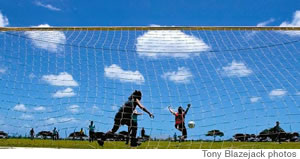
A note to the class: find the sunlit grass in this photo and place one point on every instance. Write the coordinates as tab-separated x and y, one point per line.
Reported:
75	144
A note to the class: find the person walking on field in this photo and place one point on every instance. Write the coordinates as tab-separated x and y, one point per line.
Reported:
278	131
81	134
54	134
31	134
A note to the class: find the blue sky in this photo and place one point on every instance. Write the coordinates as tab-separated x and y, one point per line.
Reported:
135	12
246	89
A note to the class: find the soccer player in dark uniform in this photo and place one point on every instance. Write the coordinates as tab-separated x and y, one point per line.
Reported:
124	117
179	120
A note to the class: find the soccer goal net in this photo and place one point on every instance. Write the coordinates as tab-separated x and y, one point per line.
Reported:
239	82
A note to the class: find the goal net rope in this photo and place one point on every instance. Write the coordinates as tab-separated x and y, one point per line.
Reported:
238	80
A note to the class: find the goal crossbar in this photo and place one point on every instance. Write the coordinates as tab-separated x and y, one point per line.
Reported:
141	28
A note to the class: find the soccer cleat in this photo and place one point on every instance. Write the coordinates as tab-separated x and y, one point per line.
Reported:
134	142
100	142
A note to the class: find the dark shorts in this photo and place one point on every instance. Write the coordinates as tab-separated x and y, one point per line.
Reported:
123	118
180	126
91	133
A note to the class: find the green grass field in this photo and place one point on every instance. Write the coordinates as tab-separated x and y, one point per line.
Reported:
4	143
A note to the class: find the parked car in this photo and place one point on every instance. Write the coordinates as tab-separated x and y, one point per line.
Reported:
268	134
78	136
241	137
45	134
3	135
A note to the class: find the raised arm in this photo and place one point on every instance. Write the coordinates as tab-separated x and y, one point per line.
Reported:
144	108
172	111
187	109
135	113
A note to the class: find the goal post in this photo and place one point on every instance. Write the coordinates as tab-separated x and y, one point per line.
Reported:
141	28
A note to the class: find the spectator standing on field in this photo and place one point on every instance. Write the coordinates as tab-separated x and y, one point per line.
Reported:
91	132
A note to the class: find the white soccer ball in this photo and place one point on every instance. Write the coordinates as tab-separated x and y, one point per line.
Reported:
191	124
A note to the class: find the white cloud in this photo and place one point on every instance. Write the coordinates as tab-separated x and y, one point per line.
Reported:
39	108
73	108
277	93
169	43
48	6
2	70
3	20
63	79
255	99
114	107
60	120
64	120
236	69
182	75
20	107
51	121
26	116
295	23
265	23
251	34
32	75
47	40
68	92
116	72
94	108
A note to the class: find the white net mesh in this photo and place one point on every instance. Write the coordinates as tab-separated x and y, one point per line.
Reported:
237	81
